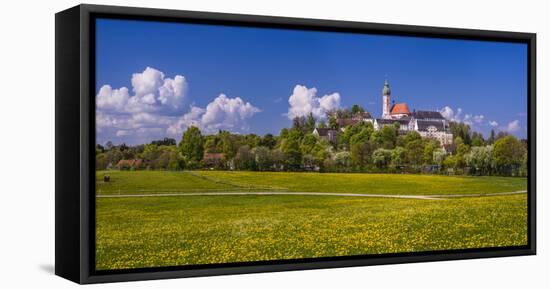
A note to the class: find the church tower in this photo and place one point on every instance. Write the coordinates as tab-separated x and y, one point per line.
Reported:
386	92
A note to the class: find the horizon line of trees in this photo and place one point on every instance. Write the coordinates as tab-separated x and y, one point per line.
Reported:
359	148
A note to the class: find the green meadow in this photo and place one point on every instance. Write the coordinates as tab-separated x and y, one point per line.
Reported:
153	231
151	182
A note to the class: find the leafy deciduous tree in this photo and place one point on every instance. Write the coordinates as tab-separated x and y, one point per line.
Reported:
382	157
191	147
508	154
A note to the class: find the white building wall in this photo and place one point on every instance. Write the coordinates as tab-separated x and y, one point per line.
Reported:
386	106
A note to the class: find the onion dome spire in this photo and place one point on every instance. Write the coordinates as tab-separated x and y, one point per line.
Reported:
386	90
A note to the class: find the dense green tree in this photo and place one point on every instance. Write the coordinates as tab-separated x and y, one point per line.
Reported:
450	162
492	137
99	149
361	147
397	156
342	160
414	152
429	147
268	141
508	154
211	144
191	147
340	113
262	157
310	123
525	160
460	153
439	156
278	159
365	129
400	142
333	122
290	146
361	153
388	136
308	143
382	157
376	138
150	152
165	157
477	139
283	134
411	136
164	142
252	140
173	162
300	124
101	161
245	159
112	157
321	151
462	130
228	144
127	151
480	159
501	134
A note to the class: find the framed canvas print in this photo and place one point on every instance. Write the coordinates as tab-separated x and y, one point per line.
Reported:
193	144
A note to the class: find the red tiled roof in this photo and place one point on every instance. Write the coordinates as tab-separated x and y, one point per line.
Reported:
400	108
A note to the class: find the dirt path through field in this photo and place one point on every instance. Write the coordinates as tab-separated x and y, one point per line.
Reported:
425	197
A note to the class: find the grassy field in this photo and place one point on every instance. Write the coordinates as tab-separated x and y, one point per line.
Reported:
136	232
150	182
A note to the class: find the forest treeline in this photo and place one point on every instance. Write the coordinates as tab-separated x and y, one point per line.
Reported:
358	148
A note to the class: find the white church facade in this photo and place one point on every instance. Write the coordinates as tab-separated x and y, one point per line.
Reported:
429	124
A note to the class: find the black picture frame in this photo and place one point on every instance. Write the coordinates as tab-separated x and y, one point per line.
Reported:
75	140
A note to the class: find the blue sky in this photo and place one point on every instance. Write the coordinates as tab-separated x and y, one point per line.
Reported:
241	79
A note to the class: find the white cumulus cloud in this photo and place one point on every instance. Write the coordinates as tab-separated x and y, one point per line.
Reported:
143	112
191	118
155	107
109	98
103	120
123	132
152	92
479	122
513	126
225	112
304	101
147	82
172	91
448	113
456	116
222	113
473	119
